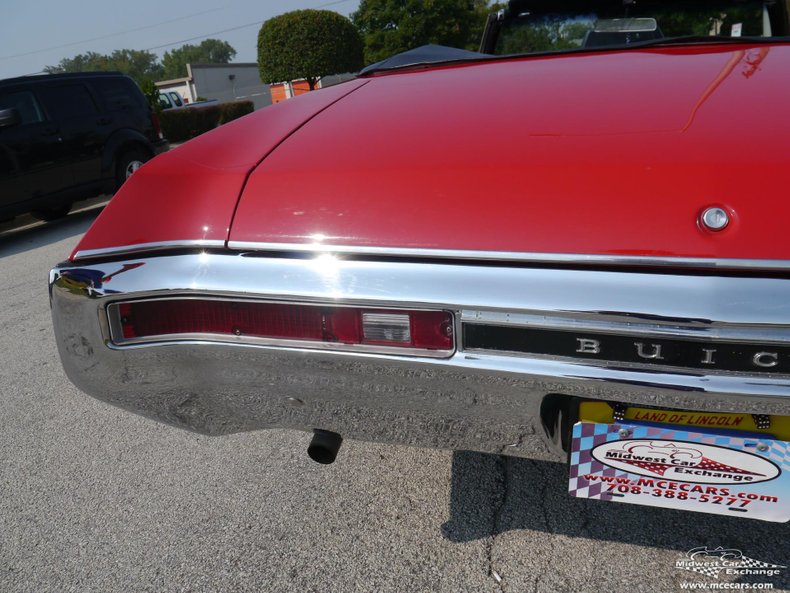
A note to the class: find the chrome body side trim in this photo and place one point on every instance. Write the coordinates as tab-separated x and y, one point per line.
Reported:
473	400
575	259
149	247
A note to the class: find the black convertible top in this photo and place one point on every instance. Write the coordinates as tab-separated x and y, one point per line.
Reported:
426	54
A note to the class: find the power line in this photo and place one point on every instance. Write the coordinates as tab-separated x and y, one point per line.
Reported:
330	4
252	24
258	22
203	36
72	44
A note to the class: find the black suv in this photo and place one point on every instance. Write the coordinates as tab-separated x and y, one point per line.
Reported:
65	137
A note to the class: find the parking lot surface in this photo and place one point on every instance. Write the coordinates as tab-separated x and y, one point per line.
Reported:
94	499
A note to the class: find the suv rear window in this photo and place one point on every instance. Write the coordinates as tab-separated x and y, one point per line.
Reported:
67	101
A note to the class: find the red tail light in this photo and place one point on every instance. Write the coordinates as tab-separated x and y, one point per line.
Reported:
157	126
173	319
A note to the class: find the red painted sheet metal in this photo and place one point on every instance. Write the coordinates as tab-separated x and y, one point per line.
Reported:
190	193
605	153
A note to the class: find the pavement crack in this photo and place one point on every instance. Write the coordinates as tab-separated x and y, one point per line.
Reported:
499	504
550	553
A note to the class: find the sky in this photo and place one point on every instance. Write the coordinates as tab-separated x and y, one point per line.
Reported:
38	33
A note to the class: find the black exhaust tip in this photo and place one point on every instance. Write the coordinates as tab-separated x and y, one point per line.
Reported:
324	446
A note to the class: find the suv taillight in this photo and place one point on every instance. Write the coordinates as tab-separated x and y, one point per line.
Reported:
157	126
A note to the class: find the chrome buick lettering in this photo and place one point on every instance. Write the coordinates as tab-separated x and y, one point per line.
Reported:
759	359
588	346
656	354
689	353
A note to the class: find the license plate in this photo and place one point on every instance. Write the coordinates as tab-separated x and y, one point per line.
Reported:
675	468
778	428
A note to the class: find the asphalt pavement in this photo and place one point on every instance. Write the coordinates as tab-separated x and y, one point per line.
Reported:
95	499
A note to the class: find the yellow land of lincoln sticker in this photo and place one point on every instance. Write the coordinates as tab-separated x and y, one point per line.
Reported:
602	412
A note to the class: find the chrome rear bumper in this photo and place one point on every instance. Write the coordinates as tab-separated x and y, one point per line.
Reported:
480	400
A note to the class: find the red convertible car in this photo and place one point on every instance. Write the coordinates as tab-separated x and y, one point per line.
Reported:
572	245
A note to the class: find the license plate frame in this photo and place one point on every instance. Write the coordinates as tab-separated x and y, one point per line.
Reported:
673	467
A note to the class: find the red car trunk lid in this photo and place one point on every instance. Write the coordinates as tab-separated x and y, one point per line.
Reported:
603	153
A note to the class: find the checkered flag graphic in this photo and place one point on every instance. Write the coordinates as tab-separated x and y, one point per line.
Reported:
718	466
747	562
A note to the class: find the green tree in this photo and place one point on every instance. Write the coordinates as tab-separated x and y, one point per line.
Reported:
139	64
307	44
151	94
389	27
210	51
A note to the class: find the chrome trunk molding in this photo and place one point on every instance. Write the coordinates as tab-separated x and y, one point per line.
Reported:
149	247
566	259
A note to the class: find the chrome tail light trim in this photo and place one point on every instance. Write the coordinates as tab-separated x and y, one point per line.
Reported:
115	338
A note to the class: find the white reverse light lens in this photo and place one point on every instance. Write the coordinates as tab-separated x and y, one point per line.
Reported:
386	327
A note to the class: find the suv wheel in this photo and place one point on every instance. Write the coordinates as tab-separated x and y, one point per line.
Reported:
128	163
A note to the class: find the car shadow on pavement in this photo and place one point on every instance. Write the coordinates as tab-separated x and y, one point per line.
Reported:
491	495
25	233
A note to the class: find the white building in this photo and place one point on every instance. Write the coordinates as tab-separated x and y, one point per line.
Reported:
224	82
